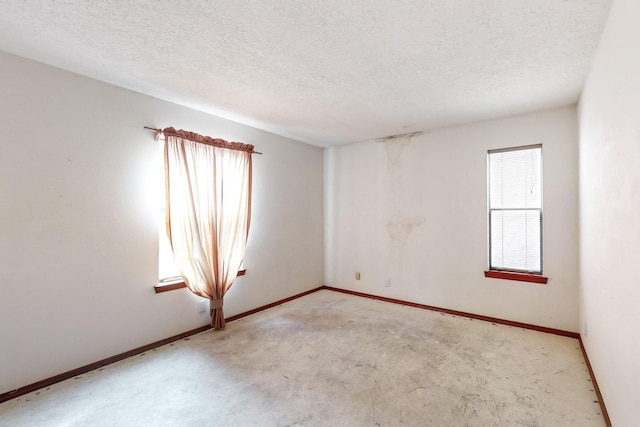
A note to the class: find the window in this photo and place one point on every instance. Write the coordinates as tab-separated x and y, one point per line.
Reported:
167	269
515	210
169	276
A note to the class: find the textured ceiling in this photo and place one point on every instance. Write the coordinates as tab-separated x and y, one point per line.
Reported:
325	72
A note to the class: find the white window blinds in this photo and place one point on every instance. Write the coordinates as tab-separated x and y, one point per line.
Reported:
515	209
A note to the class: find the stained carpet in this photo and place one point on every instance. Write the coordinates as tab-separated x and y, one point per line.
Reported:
331	359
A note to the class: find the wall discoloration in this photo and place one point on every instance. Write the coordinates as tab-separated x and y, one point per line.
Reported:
400	225
394	150
399	229
444	181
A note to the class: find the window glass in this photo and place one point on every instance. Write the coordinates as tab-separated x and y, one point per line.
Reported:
515	209
167	268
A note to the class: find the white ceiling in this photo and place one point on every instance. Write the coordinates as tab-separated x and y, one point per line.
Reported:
325	72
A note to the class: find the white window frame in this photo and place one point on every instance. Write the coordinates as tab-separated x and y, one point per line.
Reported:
506	268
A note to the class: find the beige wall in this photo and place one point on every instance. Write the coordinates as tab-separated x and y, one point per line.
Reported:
78	244
610	214
416	214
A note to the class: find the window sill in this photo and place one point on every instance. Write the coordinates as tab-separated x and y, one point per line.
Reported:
179	284
520	277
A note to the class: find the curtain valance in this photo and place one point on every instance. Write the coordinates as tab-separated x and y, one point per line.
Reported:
215	142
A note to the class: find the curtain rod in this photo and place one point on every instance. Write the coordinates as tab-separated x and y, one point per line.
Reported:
160	130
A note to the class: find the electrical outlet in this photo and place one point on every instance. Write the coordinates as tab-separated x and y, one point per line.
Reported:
357	276
387	283
202	306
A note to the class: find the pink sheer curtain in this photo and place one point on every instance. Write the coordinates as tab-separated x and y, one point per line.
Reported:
208	211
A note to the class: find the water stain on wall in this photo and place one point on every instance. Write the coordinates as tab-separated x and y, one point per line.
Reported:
400	225
399	229
394	147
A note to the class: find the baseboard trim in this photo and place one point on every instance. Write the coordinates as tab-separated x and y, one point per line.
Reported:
95	365
603	408
460	313
118	357
273	304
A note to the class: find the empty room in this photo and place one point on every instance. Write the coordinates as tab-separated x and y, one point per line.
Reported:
322	213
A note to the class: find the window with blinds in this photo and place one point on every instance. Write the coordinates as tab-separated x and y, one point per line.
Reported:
515	209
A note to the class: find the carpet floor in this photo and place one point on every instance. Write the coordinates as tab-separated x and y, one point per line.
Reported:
332	359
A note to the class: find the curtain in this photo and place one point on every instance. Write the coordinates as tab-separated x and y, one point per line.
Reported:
208	212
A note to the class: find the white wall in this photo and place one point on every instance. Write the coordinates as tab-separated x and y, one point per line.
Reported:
78	231
610	214
416	213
